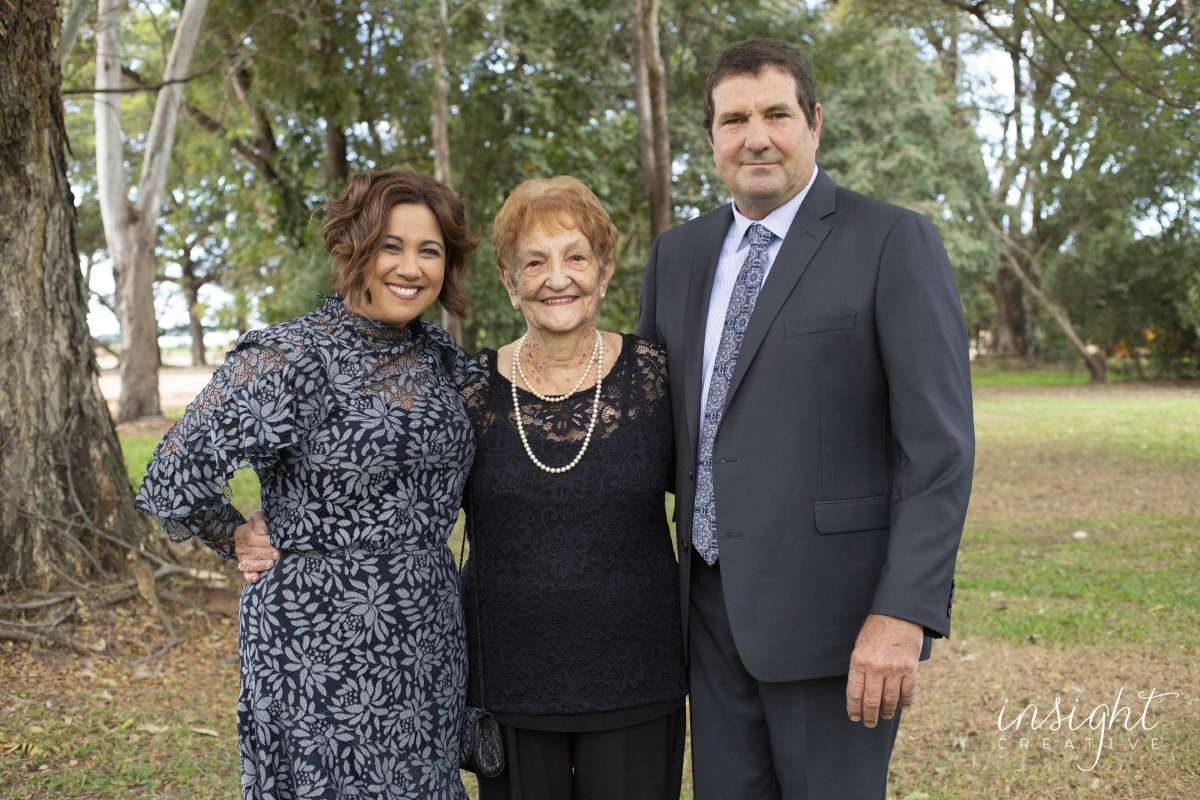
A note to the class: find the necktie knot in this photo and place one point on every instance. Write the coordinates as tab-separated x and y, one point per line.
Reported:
759	235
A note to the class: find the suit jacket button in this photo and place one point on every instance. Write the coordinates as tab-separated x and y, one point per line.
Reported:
692	475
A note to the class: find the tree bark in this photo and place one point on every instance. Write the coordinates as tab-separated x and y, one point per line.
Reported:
63	483
337	166
654	142
70	30
1009	338
131	229
191	293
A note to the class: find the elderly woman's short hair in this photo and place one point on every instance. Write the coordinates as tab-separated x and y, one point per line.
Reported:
561	202
355	222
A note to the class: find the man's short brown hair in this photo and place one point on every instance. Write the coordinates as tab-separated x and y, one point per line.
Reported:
753	56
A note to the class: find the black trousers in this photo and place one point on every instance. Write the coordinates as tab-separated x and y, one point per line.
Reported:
637	762
754	740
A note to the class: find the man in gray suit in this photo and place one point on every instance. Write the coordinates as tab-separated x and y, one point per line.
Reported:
824	443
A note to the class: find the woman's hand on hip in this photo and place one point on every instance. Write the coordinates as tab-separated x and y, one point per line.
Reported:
252	546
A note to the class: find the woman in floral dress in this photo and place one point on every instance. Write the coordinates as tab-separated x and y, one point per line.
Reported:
353	661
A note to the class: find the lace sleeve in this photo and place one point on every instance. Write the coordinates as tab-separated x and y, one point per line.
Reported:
474	394
655	386
462	368
260	401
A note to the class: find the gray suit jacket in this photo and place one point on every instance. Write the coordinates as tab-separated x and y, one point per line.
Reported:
842	465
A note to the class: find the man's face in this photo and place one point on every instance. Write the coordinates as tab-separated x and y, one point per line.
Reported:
762	143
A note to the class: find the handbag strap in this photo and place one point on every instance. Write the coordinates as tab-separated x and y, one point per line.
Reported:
468	533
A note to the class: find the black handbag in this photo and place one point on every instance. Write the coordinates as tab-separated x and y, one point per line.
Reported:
480	745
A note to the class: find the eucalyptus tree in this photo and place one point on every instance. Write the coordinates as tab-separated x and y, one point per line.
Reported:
131	226
1096	135
654	140
893	130
64	492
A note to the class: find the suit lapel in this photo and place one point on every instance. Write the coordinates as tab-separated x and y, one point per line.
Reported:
704	254
803	240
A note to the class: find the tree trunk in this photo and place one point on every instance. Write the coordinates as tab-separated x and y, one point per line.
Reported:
62	477
131	229
337	166
139	330
1009	333
1097	365
441	128
654	142
70	31
191	293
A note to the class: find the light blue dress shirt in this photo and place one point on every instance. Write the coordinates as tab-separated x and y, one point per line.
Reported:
733	255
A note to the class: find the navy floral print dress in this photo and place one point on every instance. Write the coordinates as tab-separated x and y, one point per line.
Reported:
353	655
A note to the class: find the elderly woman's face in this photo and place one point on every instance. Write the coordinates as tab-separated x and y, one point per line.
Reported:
559	279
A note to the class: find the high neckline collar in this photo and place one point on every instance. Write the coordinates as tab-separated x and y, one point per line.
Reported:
371	328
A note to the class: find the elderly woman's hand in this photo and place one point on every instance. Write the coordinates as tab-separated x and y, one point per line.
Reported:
252	546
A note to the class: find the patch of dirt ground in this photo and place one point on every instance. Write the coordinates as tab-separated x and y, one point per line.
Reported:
177	386
965	736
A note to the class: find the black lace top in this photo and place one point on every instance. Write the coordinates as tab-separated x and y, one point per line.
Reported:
578	587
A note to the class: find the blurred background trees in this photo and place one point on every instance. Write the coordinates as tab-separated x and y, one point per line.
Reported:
1053	144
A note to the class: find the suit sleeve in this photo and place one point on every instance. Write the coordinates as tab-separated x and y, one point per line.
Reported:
647	326
922	339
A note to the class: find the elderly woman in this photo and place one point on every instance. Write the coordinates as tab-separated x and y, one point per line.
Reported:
571	595
572	591
353	656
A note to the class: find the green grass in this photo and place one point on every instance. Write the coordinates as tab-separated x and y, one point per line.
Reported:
99	751
1133	579
138	450
1136	576
1041	377
992	376
1162	429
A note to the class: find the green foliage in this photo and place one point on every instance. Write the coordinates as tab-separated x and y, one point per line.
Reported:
890	131
1100	183
1138	296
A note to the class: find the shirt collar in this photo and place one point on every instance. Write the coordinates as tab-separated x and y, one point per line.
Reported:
778	221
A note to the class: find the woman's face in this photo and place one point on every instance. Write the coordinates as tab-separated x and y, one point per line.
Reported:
559	279
409	269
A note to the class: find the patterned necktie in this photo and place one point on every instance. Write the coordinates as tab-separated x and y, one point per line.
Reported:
737	316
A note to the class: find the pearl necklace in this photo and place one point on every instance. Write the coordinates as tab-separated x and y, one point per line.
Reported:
516	370
596	348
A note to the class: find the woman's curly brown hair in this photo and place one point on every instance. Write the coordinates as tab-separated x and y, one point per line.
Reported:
354	227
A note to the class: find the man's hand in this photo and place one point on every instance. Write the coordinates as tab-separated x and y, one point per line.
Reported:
253	549
883	668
